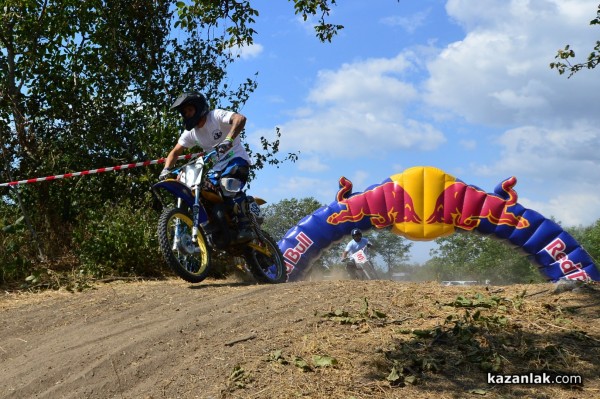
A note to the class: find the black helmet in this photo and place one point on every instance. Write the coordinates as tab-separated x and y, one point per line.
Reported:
356	232
198	101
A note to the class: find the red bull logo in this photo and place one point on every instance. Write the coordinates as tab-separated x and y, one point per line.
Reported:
384	205
574	270
465	206
429	191
293	255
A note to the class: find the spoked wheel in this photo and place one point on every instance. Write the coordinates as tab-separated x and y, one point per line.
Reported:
353	272
369	271
265	260
189	259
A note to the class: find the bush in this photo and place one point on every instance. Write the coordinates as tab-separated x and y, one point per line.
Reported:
16	247
118	240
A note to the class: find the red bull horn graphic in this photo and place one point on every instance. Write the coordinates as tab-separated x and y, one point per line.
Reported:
425	203
385	205
465	206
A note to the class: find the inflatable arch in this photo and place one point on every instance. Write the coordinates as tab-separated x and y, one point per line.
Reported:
424	203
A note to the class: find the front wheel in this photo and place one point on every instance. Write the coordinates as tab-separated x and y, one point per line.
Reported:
265	260
189	259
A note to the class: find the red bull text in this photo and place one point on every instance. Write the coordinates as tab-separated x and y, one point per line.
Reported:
293	255
574	271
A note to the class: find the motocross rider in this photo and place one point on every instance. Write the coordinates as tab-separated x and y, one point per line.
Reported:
218	129
356	244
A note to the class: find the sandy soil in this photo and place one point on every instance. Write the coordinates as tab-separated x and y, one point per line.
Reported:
323	339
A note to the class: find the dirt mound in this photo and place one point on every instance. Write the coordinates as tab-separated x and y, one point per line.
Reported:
327	339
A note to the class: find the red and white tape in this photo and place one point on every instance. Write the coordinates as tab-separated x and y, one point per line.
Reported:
94	171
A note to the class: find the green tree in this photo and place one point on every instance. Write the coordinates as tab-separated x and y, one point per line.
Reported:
285	214
471	256
564	55
86	84
589	238
393	249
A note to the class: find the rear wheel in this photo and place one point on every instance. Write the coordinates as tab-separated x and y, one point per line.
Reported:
189	259
265	260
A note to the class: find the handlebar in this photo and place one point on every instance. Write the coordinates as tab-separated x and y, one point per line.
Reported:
206	157
209	155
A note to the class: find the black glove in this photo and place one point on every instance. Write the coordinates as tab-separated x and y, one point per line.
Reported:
224	146
165	173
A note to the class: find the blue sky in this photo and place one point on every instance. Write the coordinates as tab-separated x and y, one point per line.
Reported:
461	85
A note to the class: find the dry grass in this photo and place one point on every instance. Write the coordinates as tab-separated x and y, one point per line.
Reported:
319	339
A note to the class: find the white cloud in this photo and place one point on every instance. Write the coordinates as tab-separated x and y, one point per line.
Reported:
567	154
531	122
312	164
561	166
360	180
468	144
295	187
357	111
499	73
569	209
409	23
247	52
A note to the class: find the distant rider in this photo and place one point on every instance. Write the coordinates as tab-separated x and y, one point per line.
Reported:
356	244
218	129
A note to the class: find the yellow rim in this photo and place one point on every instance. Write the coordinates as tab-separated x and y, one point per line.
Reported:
261	249
201	243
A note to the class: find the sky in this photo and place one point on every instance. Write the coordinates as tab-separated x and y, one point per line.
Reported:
464	86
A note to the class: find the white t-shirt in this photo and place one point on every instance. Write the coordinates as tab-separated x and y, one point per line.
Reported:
354	246
212	133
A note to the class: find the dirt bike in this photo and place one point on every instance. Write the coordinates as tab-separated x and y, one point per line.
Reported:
201	223
359	267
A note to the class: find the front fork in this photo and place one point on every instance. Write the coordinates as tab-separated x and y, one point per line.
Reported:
177	235
195	214
195	221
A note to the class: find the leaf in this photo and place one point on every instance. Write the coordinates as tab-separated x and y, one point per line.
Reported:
411	379
423	333
365	309
394	376
462	301
277	356
302	364
478	391
237	373
9	229
324	361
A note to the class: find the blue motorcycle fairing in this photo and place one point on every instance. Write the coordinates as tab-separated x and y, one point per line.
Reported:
182	191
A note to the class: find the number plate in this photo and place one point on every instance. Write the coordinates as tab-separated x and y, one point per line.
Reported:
255	209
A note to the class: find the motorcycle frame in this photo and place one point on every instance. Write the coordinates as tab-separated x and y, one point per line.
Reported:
183	192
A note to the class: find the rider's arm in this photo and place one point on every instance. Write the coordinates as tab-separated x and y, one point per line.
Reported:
237	122
344	255
172	157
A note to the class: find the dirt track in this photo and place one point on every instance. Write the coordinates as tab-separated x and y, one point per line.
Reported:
219	339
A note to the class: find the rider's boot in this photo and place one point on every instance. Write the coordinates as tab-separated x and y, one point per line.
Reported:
245	232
